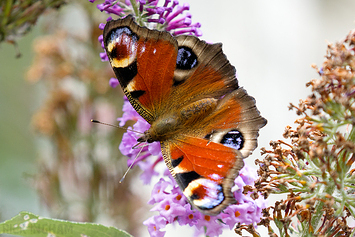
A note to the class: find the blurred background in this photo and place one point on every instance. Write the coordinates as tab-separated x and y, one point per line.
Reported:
271	43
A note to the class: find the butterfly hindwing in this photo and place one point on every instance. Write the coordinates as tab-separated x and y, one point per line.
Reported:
204	170
207	158
235	122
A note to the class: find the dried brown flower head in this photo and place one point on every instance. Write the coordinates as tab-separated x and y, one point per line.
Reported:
315	168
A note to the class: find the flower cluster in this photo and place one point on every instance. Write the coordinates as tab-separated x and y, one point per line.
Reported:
316	168
171	16
168	198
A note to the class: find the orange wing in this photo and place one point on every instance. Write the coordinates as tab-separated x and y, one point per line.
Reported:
144	62
204	170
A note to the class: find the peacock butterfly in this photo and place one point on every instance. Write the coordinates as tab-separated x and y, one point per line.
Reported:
187	90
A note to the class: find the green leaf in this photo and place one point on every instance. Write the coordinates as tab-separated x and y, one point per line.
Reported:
28	224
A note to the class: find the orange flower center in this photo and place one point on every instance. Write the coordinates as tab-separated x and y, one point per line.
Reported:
191	216
167	207
207	218
237	213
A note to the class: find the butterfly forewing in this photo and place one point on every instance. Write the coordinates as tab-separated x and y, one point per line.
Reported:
144	63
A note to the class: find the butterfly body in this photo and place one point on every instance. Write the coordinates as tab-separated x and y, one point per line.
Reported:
170	125
187	90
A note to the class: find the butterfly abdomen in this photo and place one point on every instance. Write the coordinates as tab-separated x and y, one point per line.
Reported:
197	110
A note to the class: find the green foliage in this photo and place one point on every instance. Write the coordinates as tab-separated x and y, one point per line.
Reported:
28	224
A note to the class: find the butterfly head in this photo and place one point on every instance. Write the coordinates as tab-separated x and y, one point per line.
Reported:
161	129
145	138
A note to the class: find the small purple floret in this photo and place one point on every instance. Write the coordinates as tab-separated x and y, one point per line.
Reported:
114	82
102	26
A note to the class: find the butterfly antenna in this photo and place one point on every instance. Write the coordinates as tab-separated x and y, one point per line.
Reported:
124	176
115	126
139	143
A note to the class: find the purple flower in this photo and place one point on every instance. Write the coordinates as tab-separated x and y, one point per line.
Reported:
158	191
103	56
246	212
190	218
209	226
129	113
154	224
169	210
129	141
148	166
114	82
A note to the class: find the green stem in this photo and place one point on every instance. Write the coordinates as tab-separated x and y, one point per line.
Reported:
317	215
136	11
6	11
351	136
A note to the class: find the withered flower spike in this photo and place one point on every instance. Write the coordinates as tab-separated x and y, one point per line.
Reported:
315	166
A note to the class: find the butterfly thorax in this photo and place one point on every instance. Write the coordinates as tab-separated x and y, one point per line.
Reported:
169	124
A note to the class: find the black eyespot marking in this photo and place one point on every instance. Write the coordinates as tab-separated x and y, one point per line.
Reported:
136	94
233	139
176	162
195	196
124	41
186	178
126	74
186	58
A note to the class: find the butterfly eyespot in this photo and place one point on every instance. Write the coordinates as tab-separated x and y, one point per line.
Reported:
186	58
122	47
233	139
204	193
